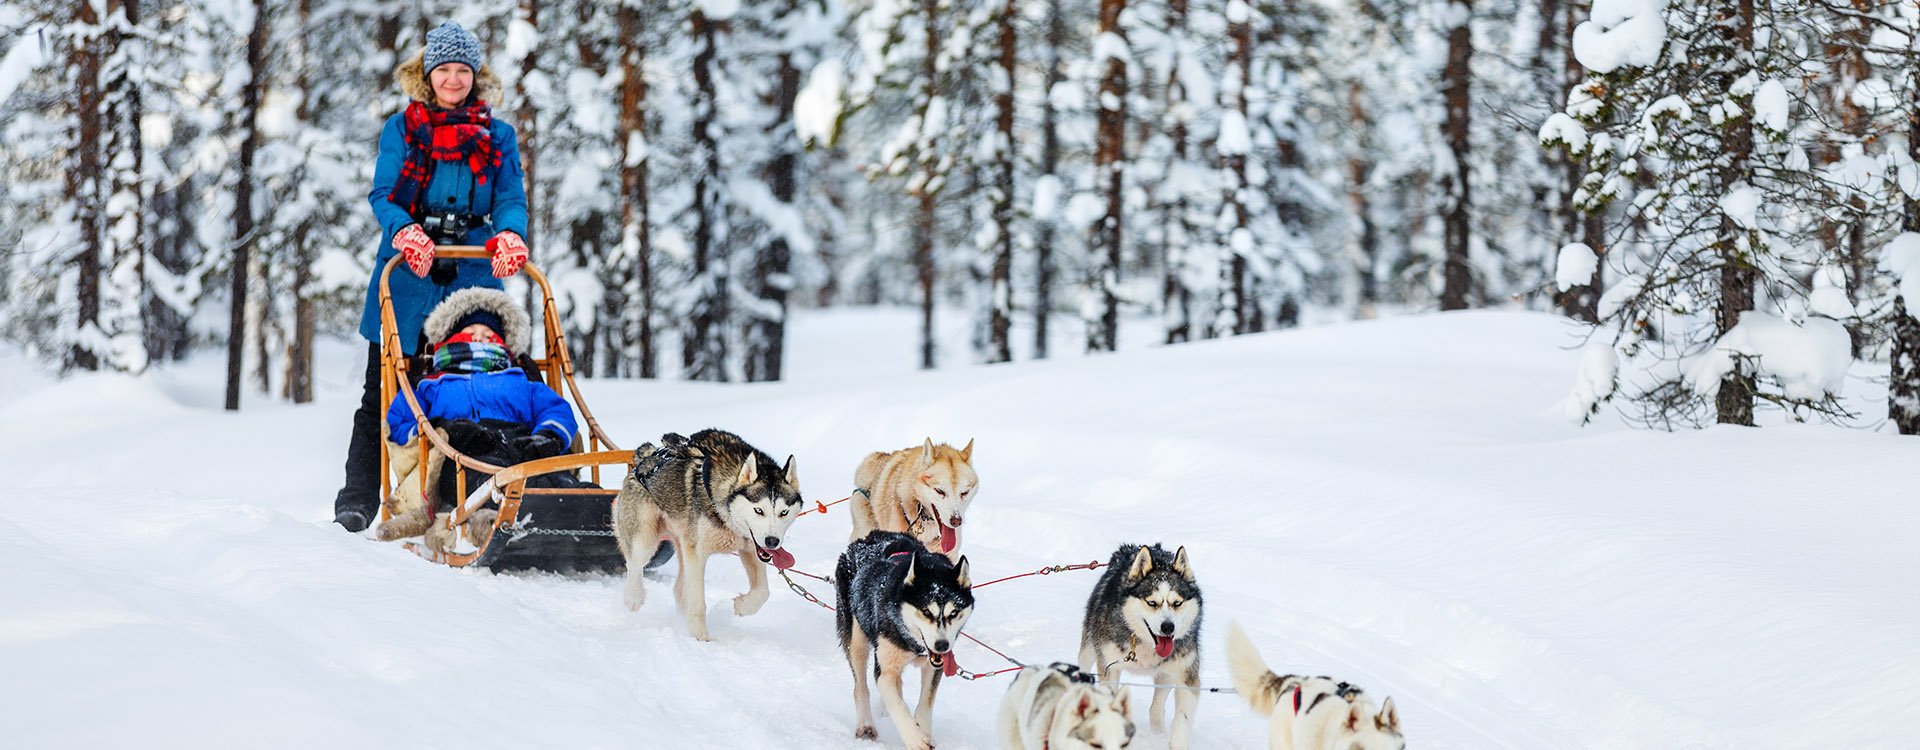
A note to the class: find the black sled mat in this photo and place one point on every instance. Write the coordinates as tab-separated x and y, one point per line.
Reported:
562	533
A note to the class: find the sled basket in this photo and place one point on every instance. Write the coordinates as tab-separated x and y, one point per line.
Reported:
538	528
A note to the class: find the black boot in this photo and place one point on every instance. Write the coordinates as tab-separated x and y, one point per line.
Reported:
359	497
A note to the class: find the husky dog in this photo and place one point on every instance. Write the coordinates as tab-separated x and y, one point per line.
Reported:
923	491
898	604
1310	713
1060	708
1144	616
711	493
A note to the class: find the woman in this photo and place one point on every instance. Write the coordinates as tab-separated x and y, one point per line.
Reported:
447	173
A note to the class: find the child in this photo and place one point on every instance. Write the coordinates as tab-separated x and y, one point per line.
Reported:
482	404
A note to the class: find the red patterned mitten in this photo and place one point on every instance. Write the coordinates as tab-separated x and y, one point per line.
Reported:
416	247
509	254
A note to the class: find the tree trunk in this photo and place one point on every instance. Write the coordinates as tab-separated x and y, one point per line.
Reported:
1049	167
1588	228
299	374
1000	307
1235	301
1176	247
1903	387
1456	82
1846	239
83	187
766	336
636	221
1359	173
704	354
925	217
1109	169
125	201
240	269
1734	403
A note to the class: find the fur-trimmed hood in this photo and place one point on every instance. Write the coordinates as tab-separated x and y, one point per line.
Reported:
519	333
411	76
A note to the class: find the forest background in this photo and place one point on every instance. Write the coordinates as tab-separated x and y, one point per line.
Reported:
1724	191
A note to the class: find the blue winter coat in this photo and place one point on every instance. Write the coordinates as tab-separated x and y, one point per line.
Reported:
503	199
504	396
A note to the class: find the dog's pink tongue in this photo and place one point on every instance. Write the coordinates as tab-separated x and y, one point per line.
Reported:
779	556
949	538
1162	646
949	665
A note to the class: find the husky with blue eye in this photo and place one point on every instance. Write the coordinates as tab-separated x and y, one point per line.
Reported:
711	493
1144	617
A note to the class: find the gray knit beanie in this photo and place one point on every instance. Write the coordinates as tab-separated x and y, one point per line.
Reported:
450	43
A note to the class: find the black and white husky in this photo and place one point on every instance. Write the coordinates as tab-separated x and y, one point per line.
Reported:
1144	617
711	493
898	604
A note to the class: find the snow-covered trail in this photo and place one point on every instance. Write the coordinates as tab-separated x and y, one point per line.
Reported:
1395	503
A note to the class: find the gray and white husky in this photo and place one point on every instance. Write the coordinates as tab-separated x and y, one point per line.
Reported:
711	493
1060	708
1144	617
898	604
1310	713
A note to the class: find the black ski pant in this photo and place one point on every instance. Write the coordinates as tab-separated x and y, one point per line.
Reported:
361	491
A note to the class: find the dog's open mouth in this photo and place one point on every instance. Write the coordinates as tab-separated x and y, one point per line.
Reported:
1163	646
778	557
945	662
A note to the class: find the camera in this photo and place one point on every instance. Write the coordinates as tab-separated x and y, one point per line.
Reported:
448	228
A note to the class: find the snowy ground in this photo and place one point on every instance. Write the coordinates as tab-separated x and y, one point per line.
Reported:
1397	503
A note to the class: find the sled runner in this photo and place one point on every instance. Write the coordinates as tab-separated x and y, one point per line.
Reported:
541	528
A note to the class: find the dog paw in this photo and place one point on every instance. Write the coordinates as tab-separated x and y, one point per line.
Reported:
748	603
920	743
1158	723
866	733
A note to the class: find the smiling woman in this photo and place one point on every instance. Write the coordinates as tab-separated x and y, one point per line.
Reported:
448	173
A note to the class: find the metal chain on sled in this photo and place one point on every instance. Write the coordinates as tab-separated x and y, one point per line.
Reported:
561	532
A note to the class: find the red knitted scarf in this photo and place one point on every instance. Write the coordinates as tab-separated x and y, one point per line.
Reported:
461	135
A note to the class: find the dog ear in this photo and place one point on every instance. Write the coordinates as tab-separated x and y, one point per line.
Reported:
966	454
792	472
1180	564
1389	719
926	453
1123	704
749	470
1142	564
911	559
960	573
1356	713
1083	707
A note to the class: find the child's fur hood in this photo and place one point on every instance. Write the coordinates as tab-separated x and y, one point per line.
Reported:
519	325
411	76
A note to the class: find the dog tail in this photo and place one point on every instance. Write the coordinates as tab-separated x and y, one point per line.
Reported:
1251	677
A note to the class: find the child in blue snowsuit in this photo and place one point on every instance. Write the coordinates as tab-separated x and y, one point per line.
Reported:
487	407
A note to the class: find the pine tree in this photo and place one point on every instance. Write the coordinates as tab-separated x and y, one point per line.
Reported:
1101	308
240	268
704	348
1456	187
1733	201
635	297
